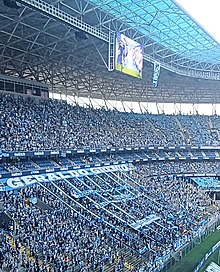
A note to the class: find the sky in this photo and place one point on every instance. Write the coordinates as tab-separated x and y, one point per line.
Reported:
204	12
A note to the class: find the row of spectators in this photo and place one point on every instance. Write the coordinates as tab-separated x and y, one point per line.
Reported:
88	223
29	124
195	168
154	167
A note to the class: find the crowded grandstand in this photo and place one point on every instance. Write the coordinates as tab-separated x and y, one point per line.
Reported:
88	188
102	209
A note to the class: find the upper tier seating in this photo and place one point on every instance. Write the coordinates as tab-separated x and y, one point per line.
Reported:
29	124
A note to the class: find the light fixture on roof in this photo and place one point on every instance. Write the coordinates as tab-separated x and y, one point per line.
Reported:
11	4
81	35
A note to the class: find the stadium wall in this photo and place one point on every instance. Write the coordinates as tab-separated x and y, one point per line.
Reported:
186	249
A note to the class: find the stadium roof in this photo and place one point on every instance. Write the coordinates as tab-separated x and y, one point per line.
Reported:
39	40
165	24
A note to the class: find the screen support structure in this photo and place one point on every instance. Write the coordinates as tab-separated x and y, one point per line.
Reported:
75	22
64	17
111	51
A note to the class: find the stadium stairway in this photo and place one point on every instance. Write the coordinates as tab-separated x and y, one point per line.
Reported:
210	124
40	204
130	262
11	239
183	131
157	131
214	129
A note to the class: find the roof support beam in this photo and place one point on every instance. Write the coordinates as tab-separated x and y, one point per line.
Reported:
58	14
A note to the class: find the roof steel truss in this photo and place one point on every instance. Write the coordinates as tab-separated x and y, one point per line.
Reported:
49	51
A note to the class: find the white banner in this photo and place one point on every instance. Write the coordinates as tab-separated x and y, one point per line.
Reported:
156	73
19	182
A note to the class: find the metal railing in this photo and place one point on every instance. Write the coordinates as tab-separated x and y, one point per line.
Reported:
186	249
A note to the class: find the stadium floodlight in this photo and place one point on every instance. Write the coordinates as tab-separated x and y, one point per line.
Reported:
204	13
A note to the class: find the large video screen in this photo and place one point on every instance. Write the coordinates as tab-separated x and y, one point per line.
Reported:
129	56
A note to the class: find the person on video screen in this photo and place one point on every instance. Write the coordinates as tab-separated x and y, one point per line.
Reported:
123	51
138	59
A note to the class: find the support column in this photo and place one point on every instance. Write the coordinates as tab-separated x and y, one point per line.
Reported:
214	196
111	52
